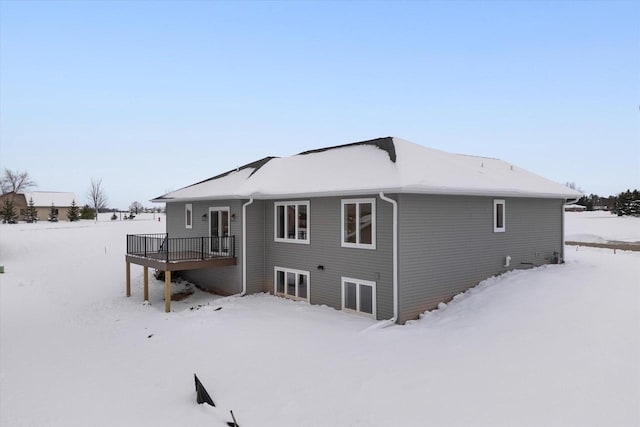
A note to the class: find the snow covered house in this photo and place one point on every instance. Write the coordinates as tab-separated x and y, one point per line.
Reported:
574	208
43	202
385	228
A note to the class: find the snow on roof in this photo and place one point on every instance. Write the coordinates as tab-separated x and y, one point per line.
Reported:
46	198
385	164
575	206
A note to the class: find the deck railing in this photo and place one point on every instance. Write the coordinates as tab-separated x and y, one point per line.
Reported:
171	249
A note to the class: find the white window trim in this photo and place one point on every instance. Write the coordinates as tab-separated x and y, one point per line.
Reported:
359	283
497	229
296	203
188	209
357	202
215	209
276	269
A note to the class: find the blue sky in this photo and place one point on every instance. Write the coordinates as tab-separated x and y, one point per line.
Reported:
152	96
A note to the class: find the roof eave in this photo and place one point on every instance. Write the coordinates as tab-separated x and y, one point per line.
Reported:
391	190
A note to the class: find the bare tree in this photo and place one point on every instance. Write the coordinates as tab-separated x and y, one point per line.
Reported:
97	196
15	181
573	186
136	208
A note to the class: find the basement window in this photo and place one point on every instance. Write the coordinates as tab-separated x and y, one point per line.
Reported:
188	215
498	216
359	296
291	283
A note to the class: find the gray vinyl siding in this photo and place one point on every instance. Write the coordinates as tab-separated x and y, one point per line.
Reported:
325	249
255	247
447	244
223	280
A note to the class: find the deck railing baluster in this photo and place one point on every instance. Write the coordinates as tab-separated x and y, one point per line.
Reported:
162	247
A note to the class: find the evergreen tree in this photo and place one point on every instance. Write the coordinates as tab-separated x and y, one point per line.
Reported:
74	212
86	212
628	203
53	215
8	212
32	213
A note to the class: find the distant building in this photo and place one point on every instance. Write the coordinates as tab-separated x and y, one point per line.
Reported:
43	201
575	208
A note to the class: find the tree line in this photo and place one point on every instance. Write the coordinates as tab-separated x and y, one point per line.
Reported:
15	182
623	204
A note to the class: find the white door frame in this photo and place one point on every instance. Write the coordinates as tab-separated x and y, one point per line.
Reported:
217	210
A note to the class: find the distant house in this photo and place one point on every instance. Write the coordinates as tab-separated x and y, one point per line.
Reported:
382	228
575	208
43	201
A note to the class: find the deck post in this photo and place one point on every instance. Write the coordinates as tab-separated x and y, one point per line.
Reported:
146	283
167	291
128	279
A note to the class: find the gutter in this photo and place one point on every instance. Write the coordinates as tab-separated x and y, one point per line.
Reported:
244	247
394	319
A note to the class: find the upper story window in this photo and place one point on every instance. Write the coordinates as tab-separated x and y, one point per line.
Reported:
498	216
188	215
291	222
359	223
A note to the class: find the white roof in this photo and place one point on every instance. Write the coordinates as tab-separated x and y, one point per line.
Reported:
574	206
46	198
369	167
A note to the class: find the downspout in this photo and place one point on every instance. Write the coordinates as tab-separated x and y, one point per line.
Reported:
395	255
244	246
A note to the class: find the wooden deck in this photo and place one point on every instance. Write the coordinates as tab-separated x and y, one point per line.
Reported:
159	262
167	254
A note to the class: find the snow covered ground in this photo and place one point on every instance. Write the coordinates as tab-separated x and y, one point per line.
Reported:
554	346
601	227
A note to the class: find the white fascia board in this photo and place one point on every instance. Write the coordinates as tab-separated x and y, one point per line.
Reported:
374	191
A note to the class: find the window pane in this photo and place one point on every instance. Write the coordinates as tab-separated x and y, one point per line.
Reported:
215	241
291	284
302	286
280	222
366	299
280	282
499	215
224	223
215	229
291	221
350	223
350	296
365	223
302	222
188	217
